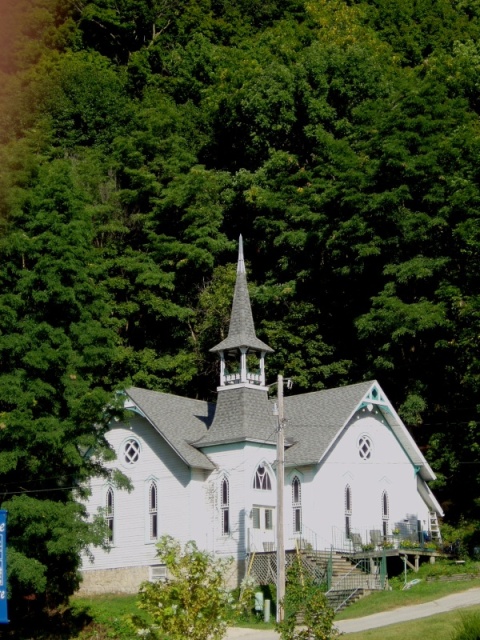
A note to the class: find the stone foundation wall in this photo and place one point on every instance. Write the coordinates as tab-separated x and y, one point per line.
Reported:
123	580
129	579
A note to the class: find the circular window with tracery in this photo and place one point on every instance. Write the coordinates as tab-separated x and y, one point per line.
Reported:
131	451
365	447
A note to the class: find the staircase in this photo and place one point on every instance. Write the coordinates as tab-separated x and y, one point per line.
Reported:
340	599
348	581
434	527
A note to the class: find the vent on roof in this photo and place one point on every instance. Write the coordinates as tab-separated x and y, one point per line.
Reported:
158	573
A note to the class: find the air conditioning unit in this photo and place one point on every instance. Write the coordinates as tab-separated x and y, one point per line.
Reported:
158	573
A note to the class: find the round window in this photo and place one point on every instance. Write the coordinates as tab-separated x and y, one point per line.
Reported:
131	451
365	447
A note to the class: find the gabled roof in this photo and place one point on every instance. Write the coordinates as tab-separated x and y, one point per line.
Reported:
241	332
241	414
316	421
178	420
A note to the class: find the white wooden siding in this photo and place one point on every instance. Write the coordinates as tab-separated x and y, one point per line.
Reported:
388	469
158	462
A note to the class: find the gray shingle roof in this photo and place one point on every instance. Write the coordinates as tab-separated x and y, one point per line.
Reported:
178	420
242	413
314	419
241	332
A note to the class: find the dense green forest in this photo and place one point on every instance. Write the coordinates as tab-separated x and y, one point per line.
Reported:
138	138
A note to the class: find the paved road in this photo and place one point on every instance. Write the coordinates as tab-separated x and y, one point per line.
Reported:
403	614
412	612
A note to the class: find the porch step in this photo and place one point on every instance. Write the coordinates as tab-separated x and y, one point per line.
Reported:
339	599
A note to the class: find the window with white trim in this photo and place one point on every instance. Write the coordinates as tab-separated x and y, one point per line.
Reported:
225	506
131	451
365	447
348	512
262	518
262	479
385	513
153	510
110	513
268	519
297	505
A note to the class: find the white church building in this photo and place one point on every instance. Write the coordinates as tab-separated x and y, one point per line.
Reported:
206	471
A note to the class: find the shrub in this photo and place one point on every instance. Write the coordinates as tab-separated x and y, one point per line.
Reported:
305	603
194	603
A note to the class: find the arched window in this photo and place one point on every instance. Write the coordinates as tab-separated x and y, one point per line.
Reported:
110	513
225	506
153	510
297	505
348	512
385	513
262	479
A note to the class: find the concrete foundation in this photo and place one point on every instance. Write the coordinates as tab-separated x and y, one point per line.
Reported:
122	580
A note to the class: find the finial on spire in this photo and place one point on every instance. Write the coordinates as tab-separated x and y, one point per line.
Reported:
241	261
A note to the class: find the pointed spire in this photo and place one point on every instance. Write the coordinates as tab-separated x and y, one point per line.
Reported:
241	261
241	332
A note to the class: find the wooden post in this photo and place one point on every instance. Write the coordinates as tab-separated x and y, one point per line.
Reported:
280	490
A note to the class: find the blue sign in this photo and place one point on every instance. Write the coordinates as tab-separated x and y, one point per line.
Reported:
3	567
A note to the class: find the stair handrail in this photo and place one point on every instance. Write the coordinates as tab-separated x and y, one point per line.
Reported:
357	581
345	600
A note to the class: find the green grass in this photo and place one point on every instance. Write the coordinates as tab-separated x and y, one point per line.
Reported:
442	626
108	616
388	600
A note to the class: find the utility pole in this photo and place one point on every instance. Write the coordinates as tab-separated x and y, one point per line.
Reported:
280	490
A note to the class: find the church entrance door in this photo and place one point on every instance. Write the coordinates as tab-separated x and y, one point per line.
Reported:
262	533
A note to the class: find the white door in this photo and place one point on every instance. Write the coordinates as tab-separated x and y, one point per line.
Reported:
262	532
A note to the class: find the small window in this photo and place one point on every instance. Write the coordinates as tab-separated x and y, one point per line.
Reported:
153	510
131	451
348	500
297	505
110	513
268	519
348	512
385	513
348	527
256	518
262	479
365	447
158	573
385	508
225	506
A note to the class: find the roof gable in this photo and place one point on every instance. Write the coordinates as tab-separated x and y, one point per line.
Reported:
178	420
317	420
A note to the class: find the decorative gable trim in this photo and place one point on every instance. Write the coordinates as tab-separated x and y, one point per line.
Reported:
374	396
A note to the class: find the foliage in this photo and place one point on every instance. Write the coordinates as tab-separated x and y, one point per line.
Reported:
464	536
469	626
108	616
246	599
139	138
307	606
193	602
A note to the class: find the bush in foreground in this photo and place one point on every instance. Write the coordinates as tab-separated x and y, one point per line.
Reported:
193	603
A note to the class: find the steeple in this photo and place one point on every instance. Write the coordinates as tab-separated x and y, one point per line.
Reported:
235	367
